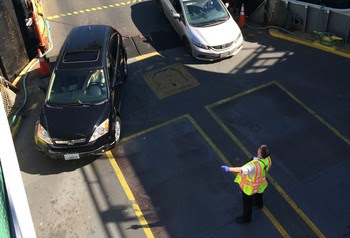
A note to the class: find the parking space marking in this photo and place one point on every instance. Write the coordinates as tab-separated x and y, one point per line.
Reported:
129	195
92	9
245	150
151	129
265	210
324	122
143	57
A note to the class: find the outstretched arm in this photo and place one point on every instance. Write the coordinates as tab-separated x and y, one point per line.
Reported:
231	169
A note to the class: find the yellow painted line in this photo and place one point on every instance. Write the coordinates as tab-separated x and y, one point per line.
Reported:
209	141
129	194
245	150
266	211
151	129
142	57
274	221
15	127
23	72
312	112
93	9
276	33
268	214
240	94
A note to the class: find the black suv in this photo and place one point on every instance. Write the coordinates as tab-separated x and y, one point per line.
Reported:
81	113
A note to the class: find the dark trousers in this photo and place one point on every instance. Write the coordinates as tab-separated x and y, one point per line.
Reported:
248	203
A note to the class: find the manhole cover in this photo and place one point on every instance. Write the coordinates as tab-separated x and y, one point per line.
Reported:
170	80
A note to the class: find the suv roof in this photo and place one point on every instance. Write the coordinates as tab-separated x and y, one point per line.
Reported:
84	47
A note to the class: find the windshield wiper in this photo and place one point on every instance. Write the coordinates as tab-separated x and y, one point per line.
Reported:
76	103
84	104
214	22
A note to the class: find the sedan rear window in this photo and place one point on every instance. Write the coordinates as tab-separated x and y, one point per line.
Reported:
81	56
77	86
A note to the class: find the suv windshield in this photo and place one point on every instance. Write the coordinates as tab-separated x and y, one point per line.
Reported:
83	86
200	13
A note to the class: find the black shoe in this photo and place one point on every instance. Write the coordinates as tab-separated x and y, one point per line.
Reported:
242	219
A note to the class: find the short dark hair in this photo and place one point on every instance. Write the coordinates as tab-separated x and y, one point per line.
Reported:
265	151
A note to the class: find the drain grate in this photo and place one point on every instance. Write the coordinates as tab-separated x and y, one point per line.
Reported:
170	80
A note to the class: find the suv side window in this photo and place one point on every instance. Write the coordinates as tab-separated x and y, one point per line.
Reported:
112	56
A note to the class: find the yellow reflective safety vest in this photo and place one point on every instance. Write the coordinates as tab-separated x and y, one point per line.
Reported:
257	182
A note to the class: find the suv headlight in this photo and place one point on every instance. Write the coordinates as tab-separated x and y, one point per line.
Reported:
42	134
100	130
199	44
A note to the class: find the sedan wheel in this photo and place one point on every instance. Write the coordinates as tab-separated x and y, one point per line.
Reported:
117	128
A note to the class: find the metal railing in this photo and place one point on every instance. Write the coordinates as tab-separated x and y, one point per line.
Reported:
320	18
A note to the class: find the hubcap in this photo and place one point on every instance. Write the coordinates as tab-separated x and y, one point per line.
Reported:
117	130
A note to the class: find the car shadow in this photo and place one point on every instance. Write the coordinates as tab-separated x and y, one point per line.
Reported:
157	33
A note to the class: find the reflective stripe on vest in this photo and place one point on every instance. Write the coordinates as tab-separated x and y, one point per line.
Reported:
258	182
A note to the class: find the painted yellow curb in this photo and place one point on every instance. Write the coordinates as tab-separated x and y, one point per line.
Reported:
23	72
341	51
16	125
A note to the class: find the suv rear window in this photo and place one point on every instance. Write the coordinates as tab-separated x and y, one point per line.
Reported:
81	56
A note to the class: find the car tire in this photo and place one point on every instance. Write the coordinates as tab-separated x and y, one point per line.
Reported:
187	46
117	129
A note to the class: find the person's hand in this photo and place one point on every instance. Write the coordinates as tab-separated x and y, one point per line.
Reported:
225	168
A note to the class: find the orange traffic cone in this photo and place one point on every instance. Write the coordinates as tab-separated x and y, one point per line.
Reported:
44	67
241	20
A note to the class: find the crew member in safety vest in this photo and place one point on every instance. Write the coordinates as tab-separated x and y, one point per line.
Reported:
252	180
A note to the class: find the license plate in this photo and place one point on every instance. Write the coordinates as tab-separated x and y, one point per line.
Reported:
71	156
